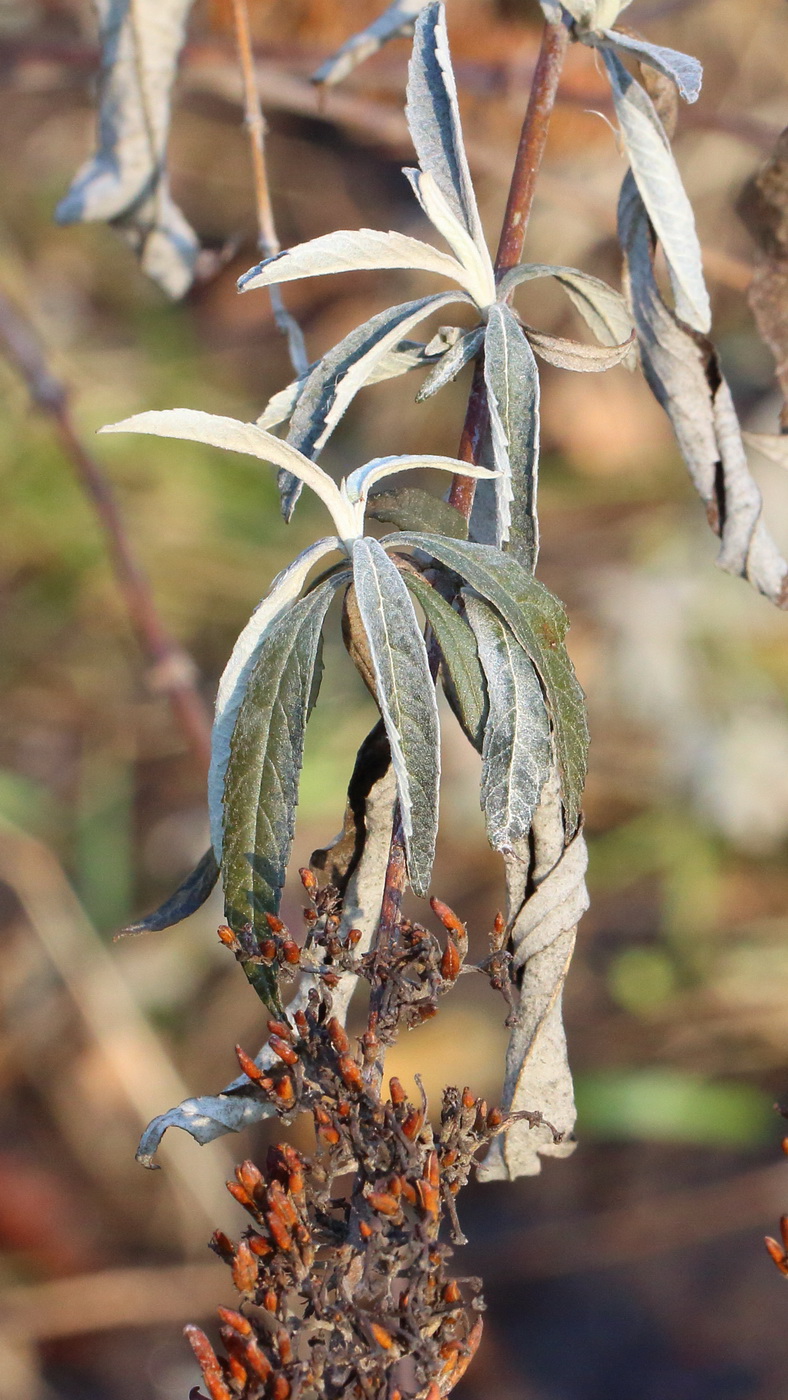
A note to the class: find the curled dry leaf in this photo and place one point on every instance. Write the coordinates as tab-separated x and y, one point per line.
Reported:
543	931
125	182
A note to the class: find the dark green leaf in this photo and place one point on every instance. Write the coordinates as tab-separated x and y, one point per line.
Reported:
462	675
411	509
187	899
539	623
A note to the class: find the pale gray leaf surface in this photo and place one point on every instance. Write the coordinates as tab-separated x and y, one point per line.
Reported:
686	72
588	13
517	750
571	354
602	308
538	621
125	182
512	381
266	753
685	377
450	363
394	23
461	671
239	1105
659	182
475	260
433	117
282	594
343	371
406	698
543	932
352	251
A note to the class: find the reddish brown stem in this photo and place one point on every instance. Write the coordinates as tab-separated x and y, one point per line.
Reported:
530	151
172	671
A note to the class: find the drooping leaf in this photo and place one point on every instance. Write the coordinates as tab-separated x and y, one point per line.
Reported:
406	699
603	309
517	751
449	365
538	621
261	784
241	1104
656	175
353	251
411	509
342	372
684	374
190	895
476	260
232	687
543	932
571	354
433	116
395	22
686	72
461	671
125	182
357	485
512	382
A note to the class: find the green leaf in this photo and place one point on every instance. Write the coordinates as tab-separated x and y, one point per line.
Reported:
412	509
266	753
517	750
512	381
406	698
190	895
538	621
462	675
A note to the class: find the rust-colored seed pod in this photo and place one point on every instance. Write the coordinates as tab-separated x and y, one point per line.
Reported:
468	1101
259	1246
383	1202
365	1230
226	936
280	1028
245	1268
433	1393
295	1180
344	1110
432	1171
395	1185
270	1301
449	1158
279	1232
209	1363
283	1050
451	962
222	1245
413	1123
409	1191
308	879
241	1196
499	924
283	1206
237	1370
291	952
382	1337
275	924
236	1321
495	1118
331	979
302	1025
268	949
448	918
284	1089
248	1066
284	1346
429	1197
398	1095
338	1036
784	1231
249	1176
280	1388
404	1300
451	1293
777	1253
257	1361
350	1072
354	937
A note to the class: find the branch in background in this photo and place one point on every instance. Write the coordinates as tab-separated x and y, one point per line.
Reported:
267	240
172	671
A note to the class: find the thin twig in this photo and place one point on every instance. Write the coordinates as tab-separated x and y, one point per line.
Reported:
267	240
530	151
172	671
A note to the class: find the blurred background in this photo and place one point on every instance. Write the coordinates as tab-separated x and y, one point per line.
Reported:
636	1267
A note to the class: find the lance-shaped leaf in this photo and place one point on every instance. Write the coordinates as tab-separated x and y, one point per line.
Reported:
461	671
684	374
190	895
538	621
475	259
241	1104
449	365
406	699
411	509
261	784
538	1079
686	72
125	182
232	687
356	251
394	23
342	372
602	308
517	751
358	484
656	175
512	382
570	354
433	117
